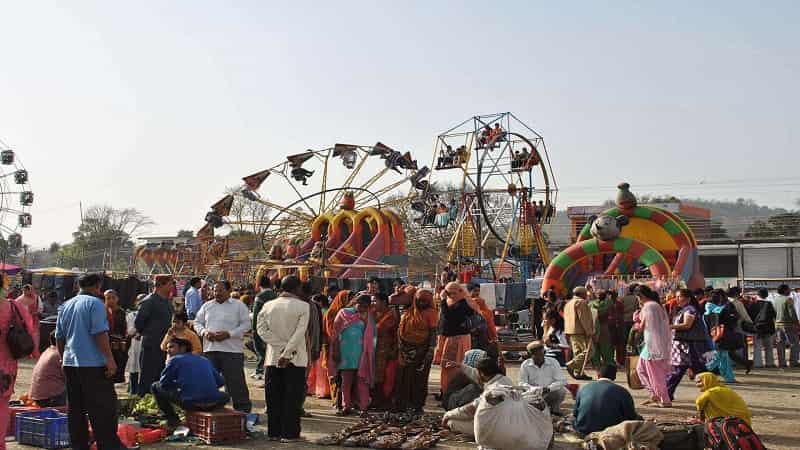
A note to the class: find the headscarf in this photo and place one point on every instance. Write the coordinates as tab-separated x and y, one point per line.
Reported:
338	303
718	400
658	336
471	357
416	323
488	316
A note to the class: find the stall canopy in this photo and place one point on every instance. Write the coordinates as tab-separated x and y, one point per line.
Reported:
10	269
54	271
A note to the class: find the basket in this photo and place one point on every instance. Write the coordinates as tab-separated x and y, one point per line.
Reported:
46	428
217	427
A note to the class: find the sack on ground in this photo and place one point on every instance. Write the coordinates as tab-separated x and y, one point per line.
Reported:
507	419
681	436
631	434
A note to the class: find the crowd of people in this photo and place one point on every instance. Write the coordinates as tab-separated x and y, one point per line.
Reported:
373	350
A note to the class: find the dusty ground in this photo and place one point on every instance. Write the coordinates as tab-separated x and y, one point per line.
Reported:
773	396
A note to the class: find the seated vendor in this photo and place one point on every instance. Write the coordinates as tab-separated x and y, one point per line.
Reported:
602	404
181	330
462	389
189	381
486	373
542	371
48	387
718	400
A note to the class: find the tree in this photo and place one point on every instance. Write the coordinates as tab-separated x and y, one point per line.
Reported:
248	215
55	247
779	225
185	233
103	239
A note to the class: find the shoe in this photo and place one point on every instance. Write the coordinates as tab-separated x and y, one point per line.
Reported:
306	414
583	378
571	372
363	414
748	368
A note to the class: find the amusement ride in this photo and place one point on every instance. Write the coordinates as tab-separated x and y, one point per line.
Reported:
504	196
16	198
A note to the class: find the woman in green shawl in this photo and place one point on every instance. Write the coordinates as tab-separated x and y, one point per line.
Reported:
604	350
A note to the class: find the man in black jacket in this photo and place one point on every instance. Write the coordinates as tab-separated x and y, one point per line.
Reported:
152	322
763	314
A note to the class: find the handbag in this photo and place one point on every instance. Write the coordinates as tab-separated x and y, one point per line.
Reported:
19	340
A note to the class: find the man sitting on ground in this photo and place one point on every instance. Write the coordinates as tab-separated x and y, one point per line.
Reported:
488	374
48	386
544	372
180	330
188	380
602	404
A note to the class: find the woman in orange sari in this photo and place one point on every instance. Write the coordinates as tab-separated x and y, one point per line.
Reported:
385	351
457	309
339	302
417	343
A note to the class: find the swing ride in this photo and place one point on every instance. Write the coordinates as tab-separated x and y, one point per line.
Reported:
339	221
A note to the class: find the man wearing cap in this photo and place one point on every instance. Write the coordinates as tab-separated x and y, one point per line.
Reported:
579	327
543	372
152	322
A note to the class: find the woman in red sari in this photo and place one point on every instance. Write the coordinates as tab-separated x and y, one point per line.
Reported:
8	365
385	351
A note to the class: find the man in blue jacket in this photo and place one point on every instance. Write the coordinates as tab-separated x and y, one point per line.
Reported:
188	380
602	404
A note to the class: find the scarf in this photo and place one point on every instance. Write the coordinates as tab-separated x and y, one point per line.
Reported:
416	323
658	338
718	400
366	365
338	303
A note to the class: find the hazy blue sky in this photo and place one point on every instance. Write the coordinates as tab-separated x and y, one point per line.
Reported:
160	105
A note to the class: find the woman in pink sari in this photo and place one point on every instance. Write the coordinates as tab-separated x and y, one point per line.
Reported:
654	358
353	350
30	303
8	365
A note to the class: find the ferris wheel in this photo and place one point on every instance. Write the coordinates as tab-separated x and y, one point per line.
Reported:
504	196
16	197
334	207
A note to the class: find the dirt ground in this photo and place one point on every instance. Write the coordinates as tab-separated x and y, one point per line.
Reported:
771	393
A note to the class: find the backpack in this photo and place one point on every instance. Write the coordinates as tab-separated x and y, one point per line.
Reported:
764	321
731	433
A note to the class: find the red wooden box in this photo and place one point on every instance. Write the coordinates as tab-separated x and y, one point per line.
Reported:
218	426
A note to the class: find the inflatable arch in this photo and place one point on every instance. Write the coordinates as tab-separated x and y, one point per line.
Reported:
578	251
662	233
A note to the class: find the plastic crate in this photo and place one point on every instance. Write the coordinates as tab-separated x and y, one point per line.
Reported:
46	428
218	426
12	417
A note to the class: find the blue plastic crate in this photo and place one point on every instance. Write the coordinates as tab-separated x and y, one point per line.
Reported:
46	429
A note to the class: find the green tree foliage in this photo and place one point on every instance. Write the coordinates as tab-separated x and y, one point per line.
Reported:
185	233
780	225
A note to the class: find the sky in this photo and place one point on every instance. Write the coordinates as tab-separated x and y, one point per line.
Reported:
161	105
